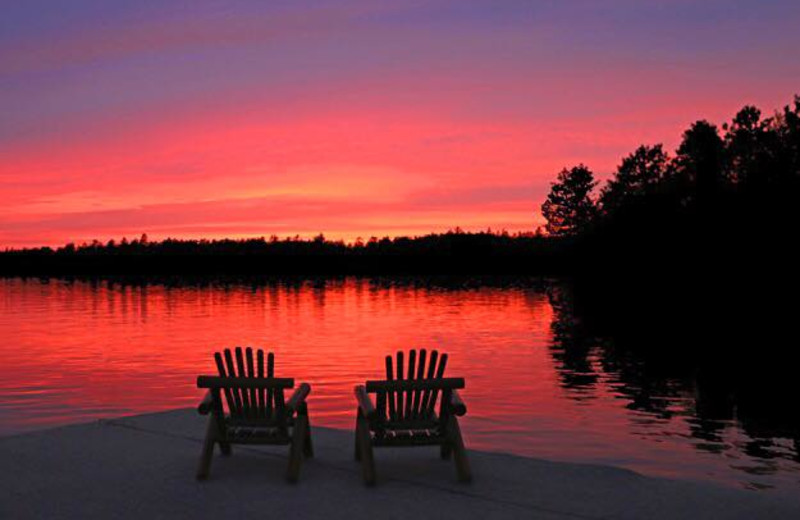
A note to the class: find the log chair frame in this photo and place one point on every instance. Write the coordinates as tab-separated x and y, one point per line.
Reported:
403	413
256	410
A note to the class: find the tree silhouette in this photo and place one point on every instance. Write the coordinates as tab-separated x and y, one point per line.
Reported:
762	154
788	129
640	174
569	208
700	163
747	143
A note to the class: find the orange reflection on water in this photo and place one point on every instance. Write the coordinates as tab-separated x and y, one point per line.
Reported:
78	350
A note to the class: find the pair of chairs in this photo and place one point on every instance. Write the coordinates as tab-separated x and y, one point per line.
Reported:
403	413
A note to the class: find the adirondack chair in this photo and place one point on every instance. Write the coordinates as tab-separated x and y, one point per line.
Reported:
256	410
404	412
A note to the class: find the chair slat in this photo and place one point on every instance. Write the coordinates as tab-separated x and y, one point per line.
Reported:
280	404
420	375
412	366
234	391
251	373
262	410
435	391
270	391
245	393
400	393
390	395
426	394
380	406
228	396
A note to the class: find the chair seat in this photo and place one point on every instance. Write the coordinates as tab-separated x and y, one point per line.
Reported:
259	422
406	437
430	421
257	435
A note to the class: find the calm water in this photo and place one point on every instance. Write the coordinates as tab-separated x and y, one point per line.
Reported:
76	351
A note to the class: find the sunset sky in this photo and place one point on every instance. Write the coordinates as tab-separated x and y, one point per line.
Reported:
201	118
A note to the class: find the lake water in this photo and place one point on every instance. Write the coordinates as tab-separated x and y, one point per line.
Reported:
75	351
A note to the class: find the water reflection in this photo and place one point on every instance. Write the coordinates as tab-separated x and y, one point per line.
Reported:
739	410
541	382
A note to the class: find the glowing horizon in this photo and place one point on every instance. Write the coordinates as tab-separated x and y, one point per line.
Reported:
352	119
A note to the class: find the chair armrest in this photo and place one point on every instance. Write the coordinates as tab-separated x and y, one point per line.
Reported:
298	397
206	405
458	406
364	402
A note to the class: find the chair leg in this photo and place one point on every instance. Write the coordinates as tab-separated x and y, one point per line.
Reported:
225	448
459	452
358	438
365	445
296	448
308	446
207	454
445	451
222	438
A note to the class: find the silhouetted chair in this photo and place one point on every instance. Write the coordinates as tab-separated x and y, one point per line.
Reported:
256	410
404	412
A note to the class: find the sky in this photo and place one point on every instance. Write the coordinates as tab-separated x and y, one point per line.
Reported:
250	118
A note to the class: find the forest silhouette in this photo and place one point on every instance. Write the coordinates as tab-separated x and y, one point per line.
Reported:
720	210
704	239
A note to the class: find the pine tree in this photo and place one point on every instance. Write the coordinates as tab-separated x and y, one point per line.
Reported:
569	207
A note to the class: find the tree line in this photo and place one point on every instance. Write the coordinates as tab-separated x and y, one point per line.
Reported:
697	248
456	241
742	178
453	253
726	196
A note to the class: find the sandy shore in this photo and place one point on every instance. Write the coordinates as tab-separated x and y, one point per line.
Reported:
143	467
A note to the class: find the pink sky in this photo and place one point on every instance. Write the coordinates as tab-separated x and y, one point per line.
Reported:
351	118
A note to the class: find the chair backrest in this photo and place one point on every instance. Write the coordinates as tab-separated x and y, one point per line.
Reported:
409	395
252	394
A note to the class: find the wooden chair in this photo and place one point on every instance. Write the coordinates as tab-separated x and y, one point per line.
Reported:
404	412
256	410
